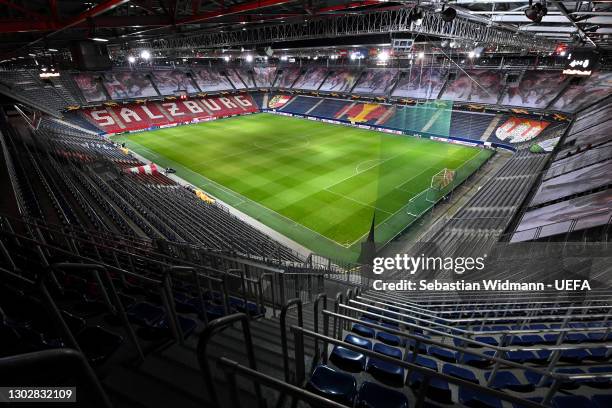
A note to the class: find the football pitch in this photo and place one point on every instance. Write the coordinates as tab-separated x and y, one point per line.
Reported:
319	184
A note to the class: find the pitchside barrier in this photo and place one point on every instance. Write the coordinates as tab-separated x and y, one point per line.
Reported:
428	198
396	131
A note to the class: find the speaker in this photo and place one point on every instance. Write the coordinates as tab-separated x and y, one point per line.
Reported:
90	56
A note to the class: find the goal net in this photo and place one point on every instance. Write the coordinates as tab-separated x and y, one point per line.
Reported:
442	179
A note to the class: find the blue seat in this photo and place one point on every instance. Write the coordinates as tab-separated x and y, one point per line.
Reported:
537	326
422	346
362	330
358	341
507	380
600	382
492	341
571	401
531	339
388	350
602	401
534	399
475	399
214	311
535	378
477	361
333	384
519	356
551	338
442	354
423	361
598	354
372	395
575	338
386	372
388	338
145	314
437	390
574	356
348	360
460	372
600	336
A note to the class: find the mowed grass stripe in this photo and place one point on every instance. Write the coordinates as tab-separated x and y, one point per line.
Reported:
329	179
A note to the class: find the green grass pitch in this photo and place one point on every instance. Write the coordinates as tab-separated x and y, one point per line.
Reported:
316	183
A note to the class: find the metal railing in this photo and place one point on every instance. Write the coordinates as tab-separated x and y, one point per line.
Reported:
57	363
300	333
216	326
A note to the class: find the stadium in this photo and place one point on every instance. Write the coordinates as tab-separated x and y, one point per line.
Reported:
332	203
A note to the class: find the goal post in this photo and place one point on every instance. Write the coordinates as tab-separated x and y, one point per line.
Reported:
442	179
441	183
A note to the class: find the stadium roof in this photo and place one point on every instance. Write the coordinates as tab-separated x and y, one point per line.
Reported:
35	25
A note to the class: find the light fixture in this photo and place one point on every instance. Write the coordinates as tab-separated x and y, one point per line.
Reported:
471	54
448	14
131	59
284	58
383	56
145	54
249	58
353	56
421	55
226	58
98	39
535	12
52	49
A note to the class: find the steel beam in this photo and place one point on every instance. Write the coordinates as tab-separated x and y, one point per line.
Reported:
27	12
346	25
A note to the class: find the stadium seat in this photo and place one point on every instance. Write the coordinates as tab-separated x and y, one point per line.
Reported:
477	361
98	344
600	382
442	354
475	399
388	350
347	360
388	338
363	330
460	372
438	390
145	314
602	401
509	381
571	401
372	395
358	341
333	384
386	372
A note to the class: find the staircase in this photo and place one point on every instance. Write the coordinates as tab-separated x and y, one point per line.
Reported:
171	376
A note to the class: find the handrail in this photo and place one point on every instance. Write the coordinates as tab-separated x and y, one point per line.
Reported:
65	360
261	295
283	329
392	298
419	339
207	334
261	268
300	332
467	339
441	312
232	369
481	320
320	296
337	330
118	306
